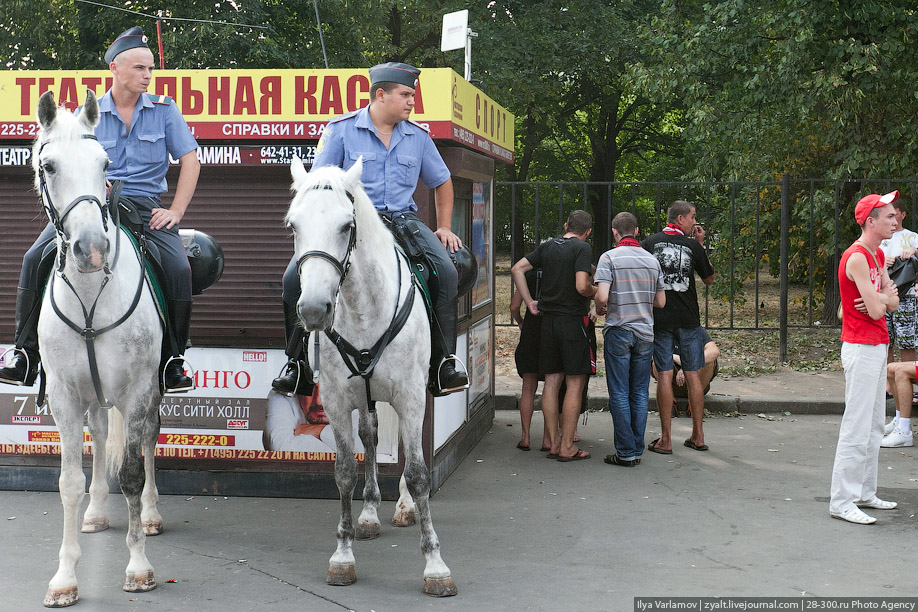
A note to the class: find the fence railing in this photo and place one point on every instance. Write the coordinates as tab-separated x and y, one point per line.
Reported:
775	245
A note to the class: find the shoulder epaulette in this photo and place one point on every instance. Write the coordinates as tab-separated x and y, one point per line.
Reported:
422	126
159	99
343	117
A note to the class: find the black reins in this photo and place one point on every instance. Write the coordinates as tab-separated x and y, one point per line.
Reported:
87	332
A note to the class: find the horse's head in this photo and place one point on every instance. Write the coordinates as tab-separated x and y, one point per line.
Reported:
323	220
69	169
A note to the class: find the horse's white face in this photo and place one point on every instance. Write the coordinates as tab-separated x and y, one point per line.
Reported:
71	165
321	217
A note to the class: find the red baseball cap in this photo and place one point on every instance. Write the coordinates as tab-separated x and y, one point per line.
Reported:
874	200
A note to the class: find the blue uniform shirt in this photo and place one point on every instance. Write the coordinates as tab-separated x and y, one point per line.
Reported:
390	176
141	158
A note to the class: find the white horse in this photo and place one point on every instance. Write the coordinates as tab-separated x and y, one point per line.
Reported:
357	289
100	338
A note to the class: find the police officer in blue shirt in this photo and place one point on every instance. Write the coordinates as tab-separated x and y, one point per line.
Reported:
396	152
139	132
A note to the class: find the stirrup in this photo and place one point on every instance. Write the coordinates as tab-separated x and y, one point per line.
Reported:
25	381
190	367
448	390
300	378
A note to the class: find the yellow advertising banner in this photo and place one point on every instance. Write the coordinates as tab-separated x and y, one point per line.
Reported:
269	105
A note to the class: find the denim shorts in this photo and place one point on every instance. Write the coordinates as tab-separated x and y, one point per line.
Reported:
691	348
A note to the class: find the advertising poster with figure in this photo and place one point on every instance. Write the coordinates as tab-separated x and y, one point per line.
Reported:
231	415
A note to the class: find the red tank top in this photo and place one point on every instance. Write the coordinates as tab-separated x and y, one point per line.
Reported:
858	327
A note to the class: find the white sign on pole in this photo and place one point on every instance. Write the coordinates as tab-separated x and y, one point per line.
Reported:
455	30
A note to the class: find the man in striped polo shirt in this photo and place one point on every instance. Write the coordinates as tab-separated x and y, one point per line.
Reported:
629	285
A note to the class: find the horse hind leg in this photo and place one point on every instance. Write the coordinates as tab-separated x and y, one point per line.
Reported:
368	521
437	579
95	519
151	519
405	510
139	572
63	589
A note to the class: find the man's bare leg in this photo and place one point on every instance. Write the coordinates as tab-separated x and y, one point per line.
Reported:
900	376
664	406
527	405
570	413
550	410
696	401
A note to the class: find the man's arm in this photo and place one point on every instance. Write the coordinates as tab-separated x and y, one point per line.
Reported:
709	280
876	302
443	197
190	169
659	299
584	286
602	296
518	273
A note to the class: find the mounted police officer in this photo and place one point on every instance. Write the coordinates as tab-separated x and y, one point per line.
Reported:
139	132
396	152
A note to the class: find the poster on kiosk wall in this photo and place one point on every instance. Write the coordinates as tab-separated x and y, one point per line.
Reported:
232	415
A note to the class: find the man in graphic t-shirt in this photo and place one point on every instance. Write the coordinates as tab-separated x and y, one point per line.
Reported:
681	255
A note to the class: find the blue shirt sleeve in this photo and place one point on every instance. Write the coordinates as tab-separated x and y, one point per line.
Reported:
433	169
179	139
330	150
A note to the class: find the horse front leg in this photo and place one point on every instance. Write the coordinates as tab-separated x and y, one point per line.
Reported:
95	519
139	572
341	570
437	579
368	521
150	517
63	590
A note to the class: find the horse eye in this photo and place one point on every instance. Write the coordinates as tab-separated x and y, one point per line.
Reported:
48	167
346	228
105	166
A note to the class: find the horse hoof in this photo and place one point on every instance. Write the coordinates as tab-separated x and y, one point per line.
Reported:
367	531
139	582
341	575
94	525
152	528
61	598
404	518
440	587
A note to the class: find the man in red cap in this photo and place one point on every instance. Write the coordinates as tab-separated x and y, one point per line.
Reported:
867	295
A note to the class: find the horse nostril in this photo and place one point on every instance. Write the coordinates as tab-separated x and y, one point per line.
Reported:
78	248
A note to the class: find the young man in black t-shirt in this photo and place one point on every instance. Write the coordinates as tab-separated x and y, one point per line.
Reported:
564	355
681	256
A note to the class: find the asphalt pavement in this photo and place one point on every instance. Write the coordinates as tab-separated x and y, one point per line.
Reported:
747	518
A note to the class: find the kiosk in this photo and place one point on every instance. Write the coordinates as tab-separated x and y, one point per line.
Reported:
230	436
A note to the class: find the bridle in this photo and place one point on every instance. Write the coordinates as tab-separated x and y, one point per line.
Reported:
57	219
341	265
87	331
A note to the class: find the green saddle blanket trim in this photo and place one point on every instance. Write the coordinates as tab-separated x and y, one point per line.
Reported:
159	298
422	284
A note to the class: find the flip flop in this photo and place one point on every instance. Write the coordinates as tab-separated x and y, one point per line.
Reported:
522	447
551	456
545	449
652	447
694	446
580	455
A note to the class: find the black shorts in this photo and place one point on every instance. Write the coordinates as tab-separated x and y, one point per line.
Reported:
566	345
527	351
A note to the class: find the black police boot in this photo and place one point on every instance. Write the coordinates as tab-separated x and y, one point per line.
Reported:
297	376
174	378
22	363
447	375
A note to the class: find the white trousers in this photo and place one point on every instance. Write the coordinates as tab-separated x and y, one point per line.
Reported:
854	475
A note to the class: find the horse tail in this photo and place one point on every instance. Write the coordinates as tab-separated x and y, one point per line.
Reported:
114	445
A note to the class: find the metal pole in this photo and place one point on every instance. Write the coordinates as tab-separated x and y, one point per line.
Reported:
785	243
159	37
468	53
321	38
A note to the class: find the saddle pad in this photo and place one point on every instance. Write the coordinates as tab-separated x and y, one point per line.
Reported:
153	283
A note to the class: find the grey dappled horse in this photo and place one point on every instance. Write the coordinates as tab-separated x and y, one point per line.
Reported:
357	287
100	338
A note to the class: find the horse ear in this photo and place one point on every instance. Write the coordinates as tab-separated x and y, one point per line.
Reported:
47	110
297	170
90	113
354	173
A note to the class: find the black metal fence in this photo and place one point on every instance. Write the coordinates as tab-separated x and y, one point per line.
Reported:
775	245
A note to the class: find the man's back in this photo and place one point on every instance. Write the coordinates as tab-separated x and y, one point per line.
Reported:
635	277
560	259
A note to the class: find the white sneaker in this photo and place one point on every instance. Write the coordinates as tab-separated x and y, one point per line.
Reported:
897	439
854	515
877	503
889	427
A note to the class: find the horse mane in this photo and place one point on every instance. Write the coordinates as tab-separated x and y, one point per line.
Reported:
370	227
